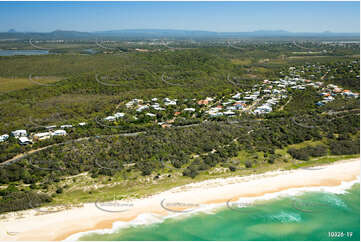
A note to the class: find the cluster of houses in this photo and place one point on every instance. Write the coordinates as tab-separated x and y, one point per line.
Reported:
24	138
21	135
329	92
261	99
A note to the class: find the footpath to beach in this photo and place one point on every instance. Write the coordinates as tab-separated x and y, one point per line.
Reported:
35	225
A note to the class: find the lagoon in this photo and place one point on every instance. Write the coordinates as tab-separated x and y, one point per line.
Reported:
23	52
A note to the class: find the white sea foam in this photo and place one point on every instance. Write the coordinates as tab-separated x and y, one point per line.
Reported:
149	218
286	217
341	189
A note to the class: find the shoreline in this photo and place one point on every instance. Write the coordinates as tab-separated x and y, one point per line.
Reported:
70	224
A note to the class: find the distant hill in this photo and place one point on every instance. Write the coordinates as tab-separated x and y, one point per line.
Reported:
169	33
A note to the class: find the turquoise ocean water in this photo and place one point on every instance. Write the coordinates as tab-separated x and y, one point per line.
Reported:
310	216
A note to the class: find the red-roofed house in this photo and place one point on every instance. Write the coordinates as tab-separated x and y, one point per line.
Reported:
203	102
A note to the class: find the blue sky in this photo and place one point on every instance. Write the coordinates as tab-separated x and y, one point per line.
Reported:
212	16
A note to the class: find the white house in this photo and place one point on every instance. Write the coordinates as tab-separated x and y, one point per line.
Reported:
119	115
190	109
59	132
19	133
50	127
4	137
66	126
159	108
263	109
232	107
141	108
215	114
110	118
170	103
248	98
237	96
228	113
24	141
42	136
129	104
150	114
82	124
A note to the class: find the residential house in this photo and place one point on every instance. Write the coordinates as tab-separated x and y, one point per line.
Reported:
203	102
151	115
110	118
159	108
190	109
24	141
215	114
237	96
19	133
51	127
165	125
4	137
337	90
263	109
119	115
59	132
229	113
171	102
42	136
66	126
141	108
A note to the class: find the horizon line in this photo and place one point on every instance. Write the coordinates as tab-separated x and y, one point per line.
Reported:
190	30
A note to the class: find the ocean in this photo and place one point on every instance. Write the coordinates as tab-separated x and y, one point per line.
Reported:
312	215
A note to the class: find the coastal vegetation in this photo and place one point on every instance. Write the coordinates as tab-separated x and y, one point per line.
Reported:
37	91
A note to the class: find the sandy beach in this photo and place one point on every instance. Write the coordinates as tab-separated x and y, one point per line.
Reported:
35	225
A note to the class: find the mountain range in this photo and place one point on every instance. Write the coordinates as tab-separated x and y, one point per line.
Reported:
169	33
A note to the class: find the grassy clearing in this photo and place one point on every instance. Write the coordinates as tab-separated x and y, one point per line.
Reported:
8	84
241	61
323	160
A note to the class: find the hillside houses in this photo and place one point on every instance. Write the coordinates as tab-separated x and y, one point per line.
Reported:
48	135
262	98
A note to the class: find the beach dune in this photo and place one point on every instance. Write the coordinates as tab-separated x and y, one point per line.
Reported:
93	216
